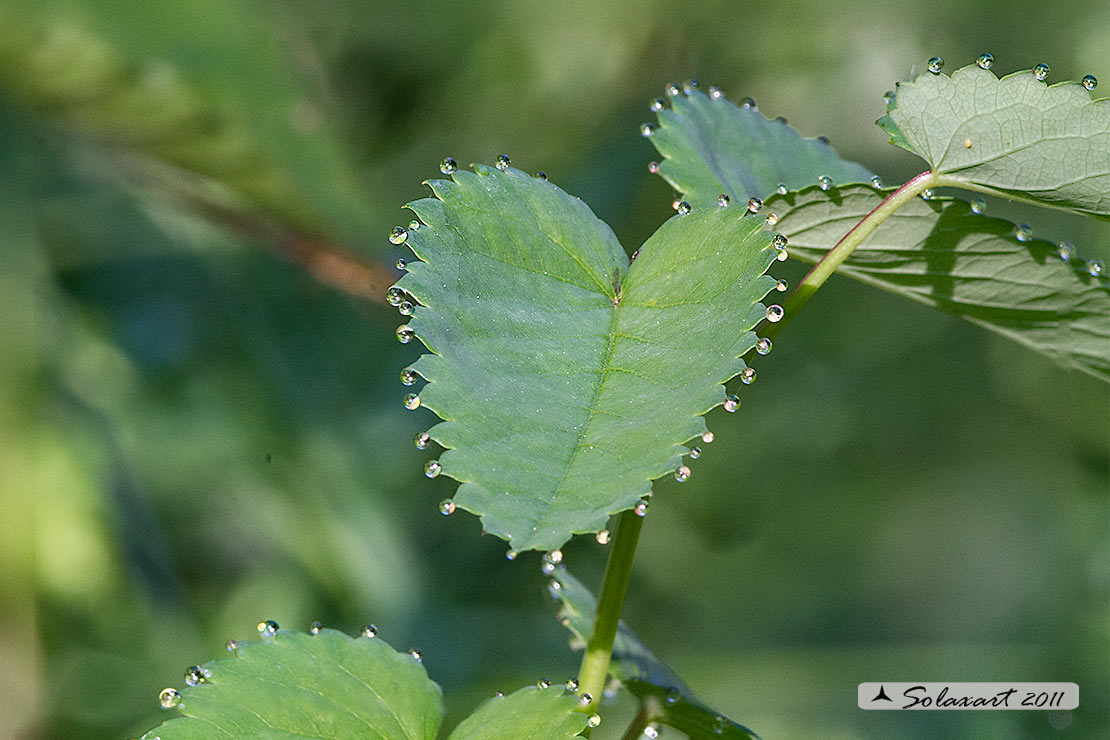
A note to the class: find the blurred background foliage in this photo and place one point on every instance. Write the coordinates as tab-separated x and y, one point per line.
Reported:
200	419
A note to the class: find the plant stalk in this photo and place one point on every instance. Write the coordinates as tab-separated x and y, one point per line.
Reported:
610	602
847	244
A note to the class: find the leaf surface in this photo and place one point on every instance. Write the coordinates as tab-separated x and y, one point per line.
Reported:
646	676
712	146
567	378
940	253
326	686
1015	136
531	712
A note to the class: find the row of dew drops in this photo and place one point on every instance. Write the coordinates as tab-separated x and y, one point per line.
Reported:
405	304
986	61
170	698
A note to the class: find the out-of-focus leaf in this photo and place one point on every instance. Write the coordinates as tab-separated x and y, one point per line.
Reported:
567	378
1015	136
711	146
940	253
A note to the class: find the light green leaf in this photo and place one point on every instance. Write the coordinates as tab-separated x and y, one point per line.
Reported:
1015	136
531	712
712	146
938	252
668	699
326	686
567	378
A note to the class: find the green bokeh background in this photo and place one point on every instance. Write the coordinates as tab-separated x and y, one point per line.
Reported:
196	435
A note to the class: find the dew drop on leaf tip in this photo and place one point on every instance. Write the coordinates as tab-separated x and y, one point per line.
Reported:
888	97
370	631
683	208
401	264
412	401
554	589
748	103
732	402
405	333
169	698
409	376
673	90
782	189
934	65
715	92
978	206
707	436
876	181
775	313
1095	267
682	474
657	105
416	655
448	166
541	175
586	699
510	554
781	286
594	720
398	235
315	627
646	130
406	308
1089	81
1066	251
755	204
268	628
1023	232
825	182
231	645
695	453
689	86
653	167
503	162
748	376
420	441
641	507
985	60
447	507
602	537
194	676
763	346
1041	71
432	468
723	200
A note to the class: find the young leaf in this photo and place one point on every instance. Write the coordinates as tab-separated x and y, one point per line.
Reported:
671	701
531	712
1014	136
711	146
327	686
567	377
940	253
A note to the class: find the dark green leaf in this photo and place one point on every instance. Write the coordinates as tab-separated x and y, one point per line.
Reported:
531	712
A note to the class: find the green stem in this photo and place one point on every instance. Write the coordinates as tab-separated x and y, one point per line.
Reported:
848	243
610	602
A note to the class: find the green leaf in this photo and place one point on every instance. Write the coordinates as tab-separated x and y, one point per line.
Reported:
326	686
659	689
567	378
712	146
531	712
940	253
1015	136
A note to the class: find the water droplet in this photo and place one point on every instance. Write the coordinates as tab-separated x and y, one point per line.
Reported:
646	130
672	695
541	175
723	200
934	65
689	85
503	162
682	474
432	468
194	676
1089	81
406	308
232	645
421	440
1041	71
732	402
754	204
781	286
653	168
447	507
554	589
657	105
405	333
876	181
695	453
415	655
748	103
888	97
401	263
978	206
554	556
748	376
315	627
651	731
571	684
763	346
683	208
985	60
586	699
499	695
780	119
370	631
547	569
169	698
414	225
412	402
268	628
602	537
715	93
775	313
707	436
1066	250
641	507
448	166
772	219
394	296
543	683
782	189
778	241
672	90
720	723
825	182
1023	232
398	235
782	256
594	720
928	194
409	376
1095	267
510	554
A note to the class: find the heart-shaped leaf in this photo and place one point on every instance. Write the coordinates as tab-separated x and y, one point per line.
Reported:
670	700
328	686
712	146
941	253
567	377
1016	136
